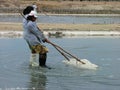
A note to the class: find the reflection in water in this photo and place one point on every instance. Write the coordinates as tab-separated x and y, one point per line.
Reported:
37	79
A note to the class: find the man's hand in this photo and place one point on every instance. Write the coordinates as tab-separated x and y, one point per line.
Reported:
46	40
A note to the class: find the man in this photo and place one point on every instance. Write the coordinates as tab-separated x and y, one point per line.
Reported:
35	38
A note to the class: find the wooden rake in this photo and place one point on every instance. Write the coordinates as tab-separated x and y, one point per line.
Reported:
65	53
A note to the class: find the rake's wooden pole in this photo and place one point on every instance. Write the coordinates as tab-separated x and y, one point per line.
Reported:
56	46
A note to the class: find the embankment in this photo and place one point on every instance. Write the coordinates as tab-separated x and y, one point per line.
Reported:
16	29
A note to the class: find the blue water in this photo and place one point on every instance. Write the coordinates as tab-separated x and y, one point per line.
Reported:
15	73
66	19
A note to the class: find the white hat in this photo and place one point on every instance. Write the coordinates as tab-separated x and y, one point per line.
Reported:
33	13
34	6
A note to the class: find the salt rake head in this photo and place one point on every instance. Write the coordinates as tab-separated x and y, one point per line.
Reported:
87	65
81	61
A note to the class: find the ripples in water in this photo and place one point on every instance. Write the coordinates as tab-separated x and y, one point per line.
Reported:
16	73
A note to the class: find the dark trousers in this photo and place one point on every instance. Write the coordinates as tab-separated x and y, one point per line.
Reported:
42	59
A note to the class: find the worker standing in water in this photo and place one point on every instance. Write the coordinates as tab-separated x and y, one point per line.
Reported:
34	37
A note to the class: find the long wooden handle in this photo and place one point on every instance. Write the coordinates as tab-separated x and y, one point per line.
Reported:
61	52
66	52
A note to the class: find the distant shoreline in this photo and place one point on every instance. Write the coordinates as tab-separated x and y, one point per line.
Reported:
10	29
65	29
8	26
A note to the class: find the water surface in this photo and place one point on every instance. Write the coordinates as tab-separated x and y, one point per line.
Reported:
104	51
66	19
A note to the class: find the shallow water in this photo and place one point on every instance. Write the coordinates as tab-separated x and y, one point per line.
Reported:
66	19
15	72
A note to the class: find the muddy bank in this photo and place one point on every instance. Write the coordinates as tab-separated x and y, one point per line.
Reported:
9	29
60	30
62	7
62	27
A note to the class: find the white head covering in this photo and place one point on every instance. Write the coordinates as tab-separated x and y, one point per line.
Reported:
33	13
34	6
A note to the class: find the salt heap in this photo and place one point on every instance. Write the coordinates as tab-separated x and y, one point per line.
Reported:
75	63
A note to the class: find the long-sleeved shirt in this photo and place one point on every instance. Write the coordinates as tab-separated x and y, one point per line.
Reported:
31	33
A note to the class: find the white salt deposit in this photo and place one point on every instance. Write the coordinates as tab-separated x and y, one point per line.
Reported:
14	33
11	34
87	65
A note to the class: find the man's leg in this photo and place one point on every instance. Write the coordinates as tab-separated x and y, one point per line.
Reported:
42	60
34	59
